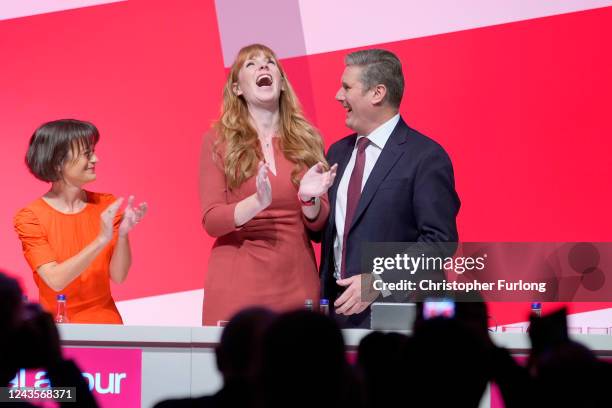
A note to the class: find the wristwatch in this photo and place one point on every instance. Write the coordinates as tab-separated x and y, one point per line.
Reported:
308	203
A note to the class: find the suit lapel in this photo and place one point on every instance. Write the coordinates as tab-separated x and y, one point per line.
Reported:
389	156
333	191
343	159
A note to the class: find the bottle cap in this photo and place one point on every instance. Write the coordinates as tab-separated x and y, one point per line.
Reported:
61	297
308	302
324	302
536	305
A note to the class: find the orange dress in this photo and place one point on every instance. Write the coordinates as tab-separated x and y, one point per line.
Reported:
267	262
48	235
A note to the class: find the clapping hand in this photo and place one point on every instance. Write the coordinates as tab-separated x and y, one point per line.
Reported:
107	218
264	188
131	216
316	181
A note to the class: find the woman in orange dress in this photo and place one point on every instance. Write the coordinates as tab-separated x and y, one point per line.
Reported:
263	186
75	240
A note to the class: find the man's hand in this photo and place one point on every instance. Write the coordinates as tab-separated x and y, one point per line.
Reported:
351	302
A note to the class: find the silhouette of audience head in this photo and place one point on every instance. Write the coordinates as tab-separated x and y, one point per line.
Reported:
29	336
566	373
304	362
474	317
450	355
10	320
241	342
29	339
548	331
381	359
10	302
569	374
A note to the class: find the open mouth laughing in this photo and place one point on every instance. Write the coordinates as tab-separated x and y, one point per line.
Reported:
263	80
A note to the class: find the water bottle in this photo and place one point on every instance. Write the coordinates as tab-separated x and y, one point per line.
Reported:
324	307
536	309
308	305
61	316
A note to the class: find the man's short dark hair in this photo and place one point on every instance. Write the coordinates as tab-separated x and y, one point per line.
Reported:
380	67
51	143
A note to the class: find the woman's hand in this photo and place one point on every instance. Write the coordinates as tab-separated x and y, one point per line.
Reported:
264	188
107	220
249	207
316	182
131	216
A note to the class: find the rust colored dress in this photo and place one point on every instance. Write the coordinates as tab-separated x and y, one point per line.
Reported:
48	235
269	261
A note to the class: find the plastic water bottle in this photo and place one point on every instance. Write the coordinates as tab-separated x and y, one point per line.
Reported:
61	316
308	305
324	306
536	309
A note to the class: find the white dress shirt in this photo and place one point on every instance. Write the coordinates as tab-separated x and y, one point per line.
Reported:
378	138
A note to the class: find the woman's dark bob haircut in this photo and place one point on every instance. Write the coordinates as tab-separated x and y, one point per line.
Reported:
51	143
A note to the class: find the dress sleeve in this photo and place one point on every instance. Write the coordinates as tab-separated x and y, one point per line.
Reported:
318	223
34	240
217	213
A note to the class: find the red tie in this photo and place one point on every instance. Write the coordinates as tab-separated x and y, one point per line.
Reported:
352	196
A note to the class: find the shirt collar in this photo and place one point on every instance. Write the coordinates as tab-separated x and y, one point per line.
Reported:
381	134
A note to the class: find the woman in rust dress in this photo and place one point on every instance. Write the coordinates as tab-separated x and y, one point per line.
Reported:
263	185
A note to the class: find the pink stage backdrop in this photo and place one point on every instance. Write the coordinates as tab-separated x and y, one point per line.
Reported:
114	376
519	97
